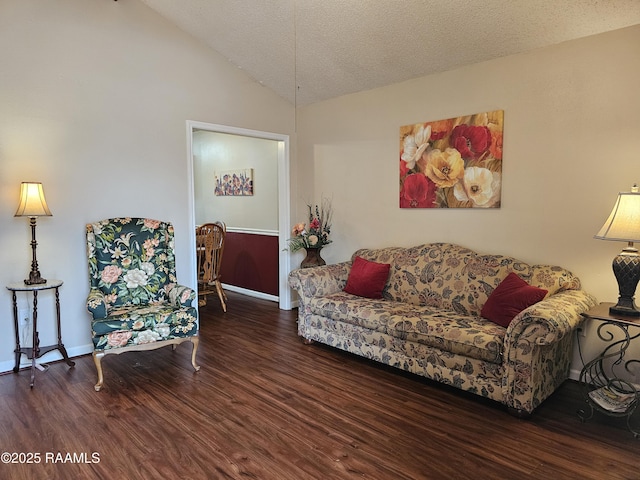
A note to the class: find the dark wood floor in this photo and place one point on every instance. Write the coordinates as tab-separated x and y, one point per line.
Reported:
265	406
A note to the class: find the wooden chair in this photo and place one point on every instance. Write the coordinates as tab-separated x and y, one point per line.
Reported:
210	247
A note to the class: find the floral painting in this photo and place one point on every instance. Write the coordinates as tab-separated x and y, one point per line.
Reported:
234	183
453	163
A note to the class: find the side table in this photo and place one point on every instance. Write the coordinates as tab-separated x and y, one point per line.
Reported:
604	390
36	351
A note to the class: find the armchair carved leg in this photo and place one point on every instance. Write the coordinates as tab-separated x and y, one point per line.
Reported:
195	341
97	357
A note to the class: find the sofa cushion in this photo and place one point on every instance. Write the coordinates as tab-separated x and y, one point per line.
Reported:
366	278
134	325
443	275
469	336
374	314
464	335
509	298
452	277
459	370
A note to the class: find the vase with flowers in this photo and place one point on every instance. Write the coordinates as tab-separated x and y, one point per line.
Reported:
312	237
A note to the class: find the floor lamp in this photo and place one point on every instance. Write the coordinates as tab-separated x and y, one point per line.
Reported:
33	205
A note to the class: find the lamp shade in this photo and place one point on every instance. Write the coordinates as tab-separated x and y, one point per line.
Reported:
32	201
623	224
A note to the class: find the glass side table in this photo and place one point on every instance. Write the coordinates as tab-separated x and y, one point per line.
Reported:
605	389
36	351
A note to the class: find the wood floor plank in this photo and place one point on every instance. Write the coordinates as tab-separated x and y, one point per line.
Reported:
266	406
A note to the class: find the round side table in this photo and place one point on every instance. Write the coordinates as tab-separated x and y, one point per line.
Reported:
36	351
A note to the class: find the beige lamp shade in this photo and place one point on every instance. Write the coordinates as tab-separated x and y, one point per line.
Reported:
32	201
623	224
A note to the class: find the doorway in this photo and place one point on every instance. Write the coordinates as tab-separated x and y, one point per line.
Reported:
279	225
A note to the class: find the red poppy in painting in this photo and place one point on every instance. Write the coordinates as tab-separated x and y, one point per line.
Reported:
403	169
496	144
441	128
417	192
471	141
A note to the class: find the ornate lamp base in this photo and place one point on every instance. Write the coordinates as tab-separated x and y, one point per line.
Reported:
626	268
35	279
34	274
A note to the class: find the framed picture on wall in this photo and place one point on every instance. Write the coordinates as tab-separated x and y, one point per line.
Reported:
234	183
452	163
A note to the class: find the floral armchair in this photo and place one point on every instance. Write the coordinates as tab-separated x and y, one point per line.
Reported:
135	301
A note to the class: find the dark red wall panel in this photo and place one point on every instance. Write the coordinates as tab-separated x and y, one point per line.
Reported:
251	261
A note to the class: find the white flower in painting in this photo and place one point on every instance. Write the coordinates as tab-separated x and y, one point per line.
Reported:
135	278
479	186
415	145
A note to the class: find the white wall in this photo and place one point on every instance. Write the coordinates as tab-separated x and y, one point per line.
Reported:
571	143
215	152
94	99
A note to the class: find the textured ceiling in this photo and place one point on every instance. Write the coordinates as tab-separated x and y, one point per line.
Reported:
330	48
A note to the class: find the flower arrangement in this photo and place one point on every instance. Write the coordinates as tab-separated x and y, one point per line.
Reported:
454	163
316	233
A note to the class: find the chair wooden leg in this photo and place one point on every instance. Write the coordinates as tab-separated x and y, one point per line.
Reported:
97	357
202	300
222	296
195	341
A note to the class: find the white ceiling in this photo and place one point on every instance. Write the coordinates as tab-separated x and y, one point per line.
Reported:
336	47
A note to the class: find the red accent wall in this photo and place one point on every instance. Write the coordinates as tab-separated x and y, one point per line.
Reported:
251	261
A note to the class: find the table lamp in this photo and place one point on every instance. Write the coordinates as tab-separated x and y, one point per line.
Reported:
33	205
623	225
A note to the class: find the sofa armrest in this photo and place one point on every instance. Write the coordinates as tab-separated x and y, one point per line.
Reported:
319	281
538	348
316	282
97	303
548	321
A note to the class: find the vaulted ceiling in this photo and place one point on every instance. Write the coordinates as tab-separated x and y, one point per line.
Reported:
330	48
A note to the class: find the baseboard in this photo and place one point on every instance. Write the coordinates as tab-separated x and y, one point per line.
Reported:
251	293
574	374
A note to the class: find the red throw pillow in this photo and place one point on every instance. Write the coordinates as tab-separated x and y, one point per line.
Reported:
366	278
509	298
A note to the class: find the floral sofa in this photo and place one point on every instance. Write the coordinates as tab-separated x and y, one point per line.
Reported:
428	320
